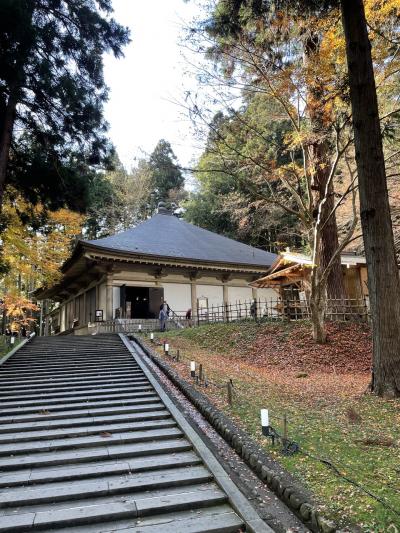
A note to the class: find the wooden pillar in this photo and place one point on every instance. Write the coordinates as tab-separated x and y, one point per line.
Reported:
225	298
193	297
109	297
84	318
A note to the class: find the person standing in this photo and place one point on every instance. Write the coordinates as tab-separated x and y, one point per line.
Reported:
166	308
253	309
162	318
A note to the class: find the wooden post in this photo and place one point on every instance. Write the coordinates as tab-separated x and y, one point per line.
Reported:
201	372
109	297
230	392
177	355
285	432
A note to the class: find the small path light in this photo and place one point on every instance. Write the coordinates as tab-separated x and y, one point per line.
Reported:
193	369
152	337
166	348
266	428
140	327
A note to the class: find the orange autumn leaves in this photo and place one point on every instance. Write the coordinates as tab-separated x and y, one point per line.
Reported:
32	253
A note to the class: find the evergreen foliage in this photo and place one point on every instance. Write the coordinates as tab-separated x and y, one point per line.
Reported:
166	175
52	93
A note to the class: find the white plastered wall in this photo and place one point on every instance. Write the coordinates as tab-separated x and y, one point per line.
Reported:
116	299
213	293
178	296
239	294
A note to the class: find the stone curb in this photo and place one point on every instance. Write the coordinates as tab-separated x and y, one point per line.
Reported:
266	469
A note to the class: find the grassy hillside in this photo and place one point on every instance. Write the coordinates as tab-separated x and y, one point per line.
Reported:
322	391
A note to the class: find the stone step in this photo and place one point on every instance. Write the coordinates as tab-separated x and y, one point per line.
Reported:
61	387
83	422
82	413
42	364
81	490
98	469
89	441
88	377
71	355
100	352
191	497
68	393
215	519
105	401
31	436
64	369
75	370
75	399
93	454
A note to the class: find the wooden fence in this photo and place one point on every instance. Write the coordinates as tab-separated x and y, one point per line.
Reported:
278	309
260	309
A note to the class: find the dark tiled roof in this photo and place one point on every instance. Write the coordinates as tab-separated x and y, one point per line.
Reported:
167	236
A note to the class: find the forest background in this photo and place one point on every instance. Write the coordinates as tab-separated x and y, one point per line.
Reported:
278	167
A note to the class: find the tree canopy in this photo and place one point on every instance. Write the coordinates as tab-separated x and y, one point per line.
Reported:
166	175
52	93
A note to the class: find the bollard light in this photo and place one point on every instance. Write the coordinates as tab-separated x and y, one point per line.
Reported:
152	337
193	369
166	348
140	327
266	428
12	339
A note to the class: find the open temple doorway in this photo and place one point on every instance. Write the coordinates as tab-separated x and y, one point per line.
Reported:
141	302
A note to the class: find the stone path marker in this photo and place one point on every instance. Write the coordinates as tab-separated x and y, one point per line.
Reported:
90	442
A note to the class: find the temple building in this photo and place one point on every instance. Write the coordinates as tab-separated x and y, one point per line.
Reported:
129	275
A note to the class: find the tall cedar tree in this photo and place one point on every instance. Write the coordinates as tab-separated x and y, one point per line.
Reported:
383	273
166	175
52	89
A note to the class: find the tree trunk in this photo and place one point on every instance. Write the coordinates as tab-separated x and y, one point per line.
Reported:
329	233
6	131
383	273
321	155
317	308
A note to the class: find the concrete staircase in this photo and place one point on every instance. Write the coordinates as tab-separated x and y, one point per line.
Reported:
87	445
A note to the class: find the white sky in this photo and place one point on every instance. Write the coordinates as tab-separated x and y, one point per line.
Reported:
152	73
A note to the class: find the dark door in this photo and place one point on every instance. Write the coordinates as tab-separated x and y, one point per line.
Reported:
123	300
156	296
139	298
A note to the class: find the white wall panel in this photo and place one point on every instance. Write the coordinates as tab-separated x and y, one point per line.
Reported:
178	296
239	294
213	293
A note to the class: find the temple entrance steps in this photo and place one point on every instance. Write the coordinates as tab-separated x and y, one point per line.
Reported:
89	442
